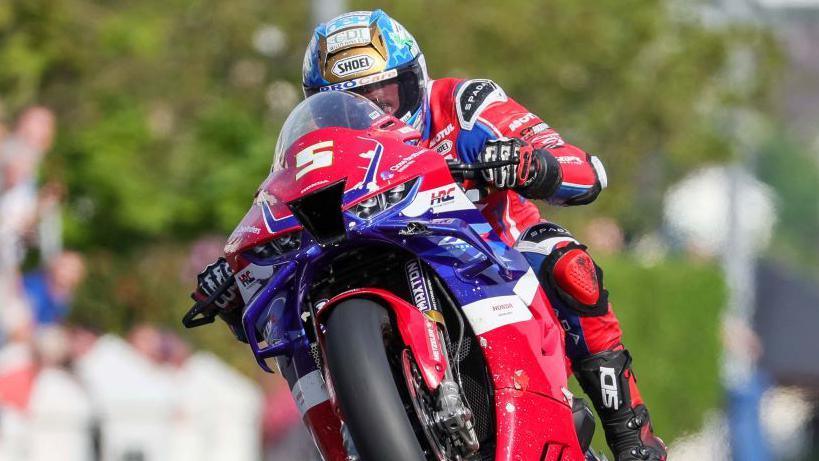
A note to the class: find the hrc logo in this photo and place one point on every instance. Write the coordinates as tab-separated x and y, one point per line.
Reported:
442	196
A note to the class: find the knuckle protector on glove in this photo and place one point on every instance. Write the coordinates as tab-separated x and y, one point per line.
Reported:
212	278
577	279
503	150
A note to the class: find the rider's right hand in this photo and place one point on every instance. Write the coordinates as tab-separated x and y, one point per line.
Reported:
229	303
211	279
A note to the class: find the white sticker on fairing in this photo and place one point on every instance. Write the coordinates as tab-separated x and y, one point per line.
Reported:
309	391
527	286
439	200
251	279
491	313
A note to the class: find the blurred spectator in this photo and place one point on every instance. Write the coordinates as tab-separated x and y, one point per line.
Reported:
147	341
604	235
203	252
49	292
20	155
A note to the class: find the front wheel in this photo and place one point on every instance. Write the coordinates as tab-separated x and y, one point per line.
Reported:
363	381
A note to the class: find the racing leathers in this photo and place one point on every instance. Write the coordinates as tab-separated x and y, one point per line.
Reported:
462	117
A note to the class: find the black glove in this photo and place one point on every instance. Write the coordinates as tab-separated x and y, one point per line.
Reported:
536	173
544	177
504	149
215	278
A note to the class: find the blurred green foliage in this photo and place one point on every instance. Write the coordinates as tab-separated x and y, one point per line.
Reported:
670	315
794	175
168	114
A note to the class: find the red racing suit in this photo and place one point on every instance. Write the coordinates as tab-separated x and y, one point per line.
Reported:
461	116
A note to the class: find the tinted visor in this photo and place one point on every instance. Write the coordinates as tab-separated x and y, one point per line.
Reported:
400	96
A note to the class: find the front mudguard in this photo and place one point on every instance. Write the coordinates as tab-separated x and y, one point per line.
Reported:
418	331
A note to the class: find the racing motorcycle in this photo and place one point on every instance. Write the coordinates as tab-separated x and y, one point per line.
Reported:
406	329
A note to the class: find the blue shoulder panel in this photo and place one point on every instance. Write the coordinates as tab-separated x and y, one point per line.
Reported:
470	142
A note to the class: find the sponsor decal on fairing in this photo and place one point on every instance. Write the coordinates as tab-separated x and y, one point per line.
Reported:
310	390
406	162
251	279
491	313
442	196
248	230
439	200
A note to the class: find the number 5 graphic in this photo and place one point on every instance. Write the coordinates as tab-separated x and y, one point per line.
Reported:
319	155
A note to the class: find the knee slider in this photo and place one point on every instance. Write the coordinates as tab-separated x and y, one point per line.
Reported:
577	280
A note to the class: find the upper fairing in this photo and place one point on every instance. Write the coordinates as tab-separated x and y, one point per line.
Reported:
368	161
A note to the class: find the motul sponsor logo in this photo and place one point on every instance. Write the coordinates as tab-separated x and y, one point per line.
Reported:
417	285
439	136
570	159
352	65
533	130
518	122
608	387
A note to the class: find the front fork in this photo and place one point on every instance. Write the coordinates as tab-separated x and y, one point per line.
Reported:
452	415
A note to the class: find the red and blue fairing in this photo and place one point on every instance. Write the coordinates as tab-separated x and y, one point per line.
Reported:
357	182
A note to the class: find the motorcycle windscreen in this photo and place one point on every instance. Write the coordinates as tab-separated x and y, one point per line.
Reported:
339	109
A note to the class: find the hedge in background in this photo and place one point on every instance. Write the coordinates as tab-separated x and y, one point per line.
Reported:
670	315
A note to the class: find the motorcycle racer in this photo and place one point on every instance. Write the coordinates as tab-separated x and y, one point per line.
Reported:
474	121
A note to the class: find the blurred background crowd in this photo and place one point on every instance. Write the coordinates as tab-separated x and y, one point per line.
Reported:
134	133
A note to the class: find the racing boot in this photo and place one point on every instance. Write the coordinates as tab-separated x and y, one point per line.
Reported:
610	383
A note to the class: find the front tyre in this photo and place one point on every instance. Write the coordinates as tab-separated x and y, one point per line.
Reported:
364	384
